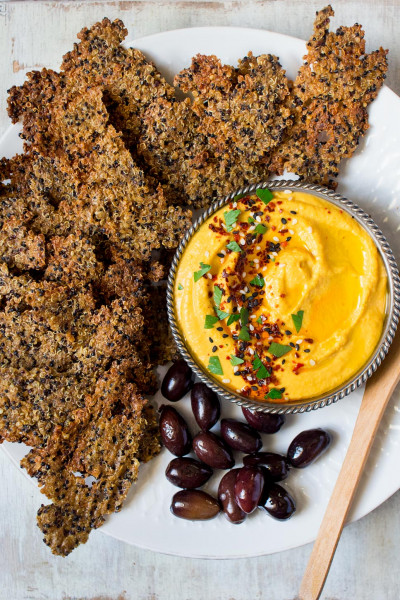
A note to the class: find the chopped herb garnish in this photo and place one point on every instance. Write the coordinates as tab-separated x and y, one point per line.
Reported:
203	270
244	316
235	360
298	320
234	246
221	313
265	195
233	318
238	197
278	350
214	365
262	371
250	220
274	394
260	228
259	320
230	218
257	363
210	321
217	295
180	286
258	281
244	334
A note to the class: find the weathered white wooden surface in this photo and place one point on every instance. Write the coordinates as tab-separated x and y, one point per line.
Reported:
366	566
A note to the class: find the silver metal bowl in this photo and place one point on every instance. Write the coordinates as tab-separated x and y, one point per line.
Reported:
392	312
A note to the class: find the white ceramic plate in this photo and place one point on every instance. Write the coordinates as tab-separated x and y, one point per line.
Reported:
371	179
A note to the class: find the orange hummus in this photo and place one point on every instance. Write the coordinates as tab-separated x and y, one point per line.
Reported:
281	296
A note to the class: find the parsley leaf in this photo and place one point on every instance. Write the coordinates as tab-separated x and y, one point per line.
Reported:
235	360
274	394
279	350
265	195
203	270
221	313
238	197
217	295
180	286
230	218
250	220
257	363
258	281
210	321
298	320
214	365
260	228
244	316
244	334
234	246
259	320
233	318
262	371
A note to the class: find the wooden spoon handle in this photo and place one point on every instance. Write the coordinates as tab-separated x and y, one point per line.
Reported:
377	394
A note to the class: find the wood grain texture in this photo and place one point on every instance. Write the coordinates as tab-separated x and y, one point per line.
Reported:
36	34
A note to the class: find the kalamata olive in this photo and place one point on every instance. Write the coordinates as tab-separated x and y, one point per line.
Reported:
226	497
240	436
248	488
307	447
205	406
263	422
213	451
195	505
275	465
277	502
188	473
177	381
174	431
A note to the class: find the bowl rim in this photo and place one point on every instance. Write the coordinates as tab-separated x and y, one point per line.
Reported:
393	304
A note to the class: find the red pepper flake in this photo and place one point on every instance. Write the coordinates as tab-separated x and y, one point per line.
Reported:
296	368
218	230
309	340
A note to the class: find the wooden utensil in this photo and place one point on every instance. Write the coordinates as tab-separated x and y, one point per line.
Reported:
377	394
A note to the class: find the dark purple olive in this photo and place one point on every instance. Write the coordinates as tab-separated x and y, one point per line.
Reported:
307	447
226	497
213	451
275	465
263	422
174	431
277	502
205	406
248	488
195	505
177	381
240	436
188	473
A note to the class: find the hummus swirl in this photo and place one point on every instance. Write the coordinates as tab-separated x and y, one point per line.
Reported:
281	296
